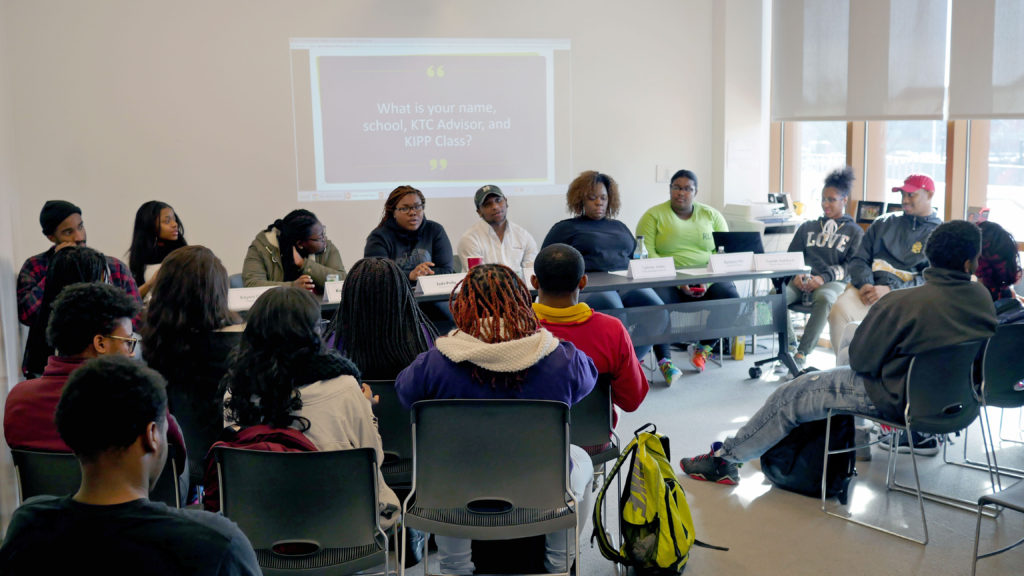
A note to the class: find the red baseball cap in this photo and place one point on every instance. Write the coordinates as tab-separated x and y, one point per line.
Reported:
916	182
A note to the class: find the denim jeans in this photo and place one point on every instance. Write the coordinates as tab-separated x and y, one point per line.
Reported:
824	297
455	554
643	297
804	399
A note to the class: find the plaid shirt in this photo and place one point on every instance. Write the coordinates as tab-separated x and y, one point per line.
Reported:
32	282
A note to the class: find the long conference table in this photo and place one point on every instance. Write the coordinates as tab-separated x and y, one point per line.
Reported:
752	315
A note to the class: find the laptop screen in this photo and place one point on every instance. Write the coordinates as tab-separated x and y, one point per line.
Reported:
739	241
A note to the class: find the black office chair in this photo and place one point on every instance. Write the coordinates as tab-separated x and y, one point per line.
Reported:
309	513
591	423
480	473
940	399
1011	498
395	435
59	474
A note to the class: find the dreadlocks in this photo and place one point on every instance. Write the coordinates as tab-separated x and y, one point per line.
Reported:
378	324
493	305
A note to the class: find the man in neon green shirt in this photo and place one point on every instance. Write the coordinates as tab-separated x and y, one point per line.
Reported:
682	228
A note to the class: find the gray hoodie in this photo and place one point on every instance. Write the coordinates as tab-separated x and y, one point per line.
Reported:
892	252
828	245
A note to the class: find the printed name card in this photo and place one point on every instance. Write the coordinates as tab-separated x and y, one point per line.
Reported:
332	292
731	262
241	299
437	284
651	268
779	261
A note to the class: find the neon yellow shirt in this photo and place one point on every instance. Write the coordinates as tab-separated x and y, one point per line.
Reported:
688	242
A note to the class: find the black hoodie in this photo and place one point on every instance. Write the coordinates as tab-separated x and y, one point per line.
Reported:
892	252
828	246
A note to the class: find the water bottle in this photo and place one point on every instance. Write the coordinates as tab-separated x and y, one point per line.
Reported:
641	249
806	296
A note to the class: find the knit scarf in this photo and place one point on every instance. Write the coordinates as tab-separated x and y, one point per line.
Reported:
510	356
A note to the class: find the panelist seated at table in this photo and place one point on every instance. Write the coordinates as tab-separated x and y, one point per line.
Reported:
158	231
607	244
293	250
419	246
828	244
683	229
494	239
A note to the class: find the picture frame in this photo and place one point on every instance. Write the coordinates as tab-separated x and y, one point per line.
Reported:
868	210
893	207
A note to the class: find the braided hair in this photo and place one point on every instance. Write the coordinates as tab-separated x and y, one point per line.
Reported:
999	263
378	324
293	229
494	305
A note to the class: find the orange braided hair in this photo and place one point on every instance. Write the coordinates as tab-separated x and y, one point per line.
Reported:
493	305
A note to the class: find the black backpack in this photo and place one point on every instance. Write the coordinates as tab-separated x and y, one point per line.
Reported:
795	463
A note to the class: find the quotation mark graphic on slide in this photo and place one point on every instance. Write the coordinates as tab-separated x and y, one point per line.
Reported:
435	163
437	71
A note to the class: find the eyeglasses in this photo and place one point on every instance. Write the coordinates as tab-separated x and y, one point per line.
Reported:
321	238
675	188
130	342
408	209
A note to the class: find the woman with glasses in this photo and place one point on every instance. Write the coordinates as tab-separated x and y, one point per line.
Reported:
293	250
419	246
607	244
69	266
682	228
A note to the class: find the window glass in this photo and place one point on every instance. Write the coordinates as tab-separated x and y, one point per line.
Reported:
822	150
1005	191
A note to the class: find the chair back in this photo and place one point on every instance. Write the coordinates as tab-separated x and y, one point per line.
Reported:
592	421
941	397
235	281
395	434
1003	367
51	473
491	456
303	510
59	474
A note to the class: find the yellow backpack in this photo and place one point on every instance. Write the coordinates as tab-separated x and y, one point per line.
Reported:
654	521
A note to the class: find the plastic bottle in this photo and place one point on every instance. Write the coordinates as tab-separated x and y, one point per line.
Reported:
640	252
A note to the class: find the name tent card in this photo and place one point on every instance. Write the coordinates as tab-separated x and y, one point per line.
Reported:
643	268
241	299
731	262
779	261
437	284
332	292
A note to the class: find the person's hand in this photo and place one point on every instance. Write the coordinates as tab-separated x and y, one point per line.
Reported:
813	283
869	293
297	258
699	293
424	269
798	282
63	245
304	281
374	400
881	291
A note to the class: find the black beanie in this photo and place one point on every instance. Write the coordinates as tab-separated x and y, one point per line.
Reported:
54	212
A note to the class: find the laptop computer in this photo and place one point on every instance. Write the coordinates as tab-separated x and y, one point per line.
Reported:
739	241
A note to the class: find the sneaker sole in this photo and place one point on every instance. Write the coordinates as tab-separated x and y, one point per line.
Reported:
726	480
917	450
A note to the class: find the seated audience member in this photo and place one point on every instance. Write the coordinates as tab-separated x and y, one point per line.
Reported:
378	325
828	244
71	265
999	267
494	239
558	277
88	320
62	224
607	244
187	337
499	350
293	250
158	232
682	228
891	256
113	415
947	309
284	375
419	246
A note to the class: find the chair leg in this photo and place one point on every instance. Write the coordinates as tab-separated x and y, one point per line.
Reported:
977	537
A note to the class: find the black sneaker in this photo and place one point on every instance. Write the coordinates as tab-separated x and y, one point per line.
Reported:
711	468
924	444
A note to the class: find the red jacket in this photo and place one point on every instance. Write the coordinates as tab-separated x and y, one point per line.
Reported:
31	405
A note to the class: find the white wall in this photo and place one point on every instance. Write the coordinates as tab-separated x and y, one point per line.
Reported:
122	101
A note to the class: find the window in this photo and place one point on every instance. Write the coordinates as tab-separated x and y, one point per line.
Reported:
822	150
999	187
916	147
